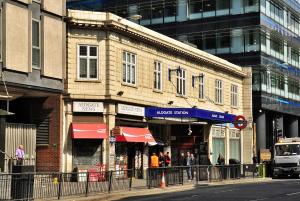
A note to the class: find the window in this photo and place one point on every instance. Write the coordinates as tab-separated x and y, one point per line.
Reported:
201	87
87	62
234	95
36	48
219	91
157	75
181	76
129	68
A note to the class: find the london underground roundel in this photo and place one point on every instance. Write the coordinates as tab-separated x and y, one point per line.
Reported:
240	122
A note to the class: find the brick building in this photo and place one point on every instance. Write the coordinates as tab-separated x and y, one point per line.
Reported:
131	91
32	67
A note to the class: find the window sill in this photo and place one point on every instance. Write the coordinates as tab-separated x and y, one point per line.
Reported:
158	91
221	104
87	80
129	85
201	100
181	96
235	107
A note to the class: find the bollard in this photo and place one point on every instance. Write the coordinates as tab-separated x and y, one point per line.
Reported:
264	171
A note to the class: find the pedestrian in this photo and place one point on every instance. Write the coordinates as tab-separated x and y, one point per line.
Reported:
154	161
167	159
182	160
193	163
161	160
221	160
20	154
189	165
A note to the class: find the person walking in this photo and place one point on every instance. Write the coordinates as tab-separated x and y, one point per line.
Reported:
161	160
189	165
20	154
193	162
167	159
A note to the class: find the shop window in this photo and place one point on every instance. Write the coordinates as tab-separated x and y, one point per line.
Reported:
36	45
157	75
87	62
129	68
218	143
234	95
218	91
235	144
87	152
201	87
181	80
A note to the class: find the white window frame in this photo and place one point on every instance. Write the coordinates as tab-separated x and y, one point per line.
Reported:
219	91
129	79
157	76
234	95
87	57
202	87
35	47
181	81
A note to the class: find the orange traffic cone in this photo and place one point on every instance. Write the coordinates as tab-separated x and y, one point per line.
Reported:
163	181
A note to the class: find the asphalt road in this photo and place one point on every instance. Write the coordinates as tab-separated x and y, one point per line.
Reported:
287	190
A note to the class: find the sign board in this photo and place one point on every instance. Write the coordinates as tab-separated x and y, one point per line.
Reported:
93	107
112	139
189	113
131	110
265	155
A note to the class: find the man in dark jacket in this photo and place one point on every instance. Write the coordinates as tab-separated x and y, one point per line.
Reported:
161	160
182	160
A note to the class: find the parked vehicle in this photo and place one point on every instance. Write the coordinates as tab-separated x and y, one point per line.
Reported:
287	157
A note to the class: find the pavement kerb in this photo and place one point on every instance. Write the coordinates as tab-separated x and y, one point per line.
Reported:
154	191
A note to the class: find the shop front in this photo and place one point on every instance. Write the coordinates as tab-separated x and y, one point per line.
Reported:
132	148
87	142
190	130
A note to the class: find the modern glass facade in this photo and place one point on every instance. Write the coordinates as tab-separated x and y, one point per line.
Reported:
263	34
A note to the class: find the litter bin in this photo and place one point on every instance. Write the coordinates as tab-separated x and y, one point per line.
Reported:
235	168
22	182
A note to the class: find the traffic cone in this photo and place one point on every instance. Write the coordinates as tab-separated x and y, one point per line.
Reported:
163	181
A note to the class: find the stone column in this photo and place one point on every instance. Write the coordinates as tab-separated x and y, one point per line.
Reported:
67	156
261	139
109	148
293	127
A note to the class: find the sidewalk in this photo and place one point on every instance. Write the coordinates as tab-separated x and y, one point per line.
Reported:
154	191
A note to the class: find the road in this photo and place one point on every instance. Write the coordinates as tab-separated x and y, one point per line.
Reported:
287	190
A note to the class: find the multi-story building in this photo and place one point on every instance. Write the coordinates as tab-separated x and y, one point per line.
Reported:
263	34
131	91
32	66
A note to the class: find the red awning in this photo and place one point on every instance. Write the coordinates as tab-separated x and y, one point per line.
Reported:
132	134
89	131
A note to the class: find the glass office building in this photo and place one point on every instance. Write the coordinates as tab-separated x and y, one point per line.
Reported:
263	34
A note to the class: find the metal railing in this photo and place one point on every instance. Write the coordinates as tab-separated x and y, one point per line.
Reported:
29	186
199	173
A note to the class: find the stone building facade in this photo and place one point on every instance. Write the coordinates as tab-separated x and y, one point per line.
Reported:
119	72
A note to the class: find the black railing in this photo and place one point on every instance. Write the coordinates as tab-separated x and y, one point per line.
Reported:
29	186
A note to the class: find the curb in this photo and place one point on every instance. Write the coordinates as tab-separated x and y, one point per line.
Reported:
156	191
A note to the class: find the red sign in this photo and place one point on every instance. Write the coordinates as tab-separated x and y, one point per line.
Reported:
89	131
240	122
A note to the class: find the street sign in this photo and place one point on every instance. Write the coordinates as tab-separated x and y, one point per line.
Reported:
240	122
